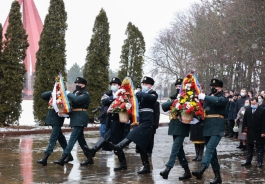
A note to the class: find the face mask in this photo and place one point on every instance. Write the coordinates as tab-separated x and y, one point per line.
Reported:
78	88
260	101
242	94
213	90
144	88
246	104
177	91
114	88
254	106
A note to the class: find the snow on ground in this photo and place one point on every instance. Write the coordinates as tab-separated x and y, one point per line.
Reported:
27	118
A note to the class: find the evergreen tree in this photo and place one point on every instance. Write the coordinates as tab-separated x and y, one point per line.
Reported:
74	72
12	67
51	57
132	55
97	61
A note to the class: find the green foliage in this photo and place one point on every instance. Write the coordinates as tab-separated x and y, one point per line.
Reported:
97	61
132	55
12	68
51	58
112	74
74	72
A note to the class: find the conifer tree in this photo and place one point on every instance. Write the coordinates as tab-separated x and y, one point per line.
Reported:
12	67
51	57
97	61
132	55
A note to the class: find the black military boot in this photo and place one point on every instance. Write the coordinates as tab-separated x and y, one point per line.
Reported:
88	161
145	161
121	145
99	144
196	151
244	148
165	173
199	173
43	161
217	178
69	158
201	150
122	160
186	175
60	161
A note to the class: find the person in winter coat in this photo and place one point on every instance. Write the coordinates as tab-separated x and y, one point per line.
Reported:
254	128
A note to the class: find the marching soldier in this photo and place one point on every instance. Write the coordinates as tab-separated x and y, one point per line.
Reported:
56	122
115	130
179	131
78	120
141	134
213	130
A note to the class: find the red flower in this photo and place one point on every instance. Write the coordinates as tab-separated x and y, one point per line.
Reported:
123	105
180	107
191	108
193	86
188	76
129	111
198	113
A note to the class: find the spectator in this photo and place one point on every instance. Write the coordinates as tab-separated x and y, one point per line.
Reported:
254	128
261	101
231	117
240	103
239	121
250	94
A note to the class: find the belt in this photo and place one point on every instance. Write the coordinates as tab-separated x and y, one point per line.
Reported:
214	116
79	109
146	110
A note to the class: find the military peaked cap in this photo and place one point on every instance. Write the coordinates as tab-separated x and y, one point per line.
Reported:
217	83
148	80
178	82
115	80
80	80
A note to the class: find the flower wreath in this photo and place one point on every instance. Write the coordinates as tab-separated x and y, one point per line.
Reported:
187	101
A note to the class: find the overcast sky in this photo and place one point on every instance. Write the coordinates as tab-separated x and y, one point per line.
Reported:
150	16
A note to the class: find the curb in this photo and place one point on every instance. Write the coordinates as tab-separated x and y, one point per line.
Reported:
47	131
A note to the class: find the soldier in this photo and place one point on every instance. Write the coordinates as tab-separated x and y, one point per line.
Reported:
78	120
215	106
114	128
179	131
53	119
141	135
177	85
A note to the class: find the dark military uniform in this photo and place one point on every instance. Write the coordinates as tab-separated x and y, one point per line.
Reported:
80	100
56	122
214	127
115	130
179	130
141	134
114	125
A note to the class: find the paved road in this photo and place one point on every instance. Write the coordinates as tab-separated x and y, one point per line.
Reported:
18	158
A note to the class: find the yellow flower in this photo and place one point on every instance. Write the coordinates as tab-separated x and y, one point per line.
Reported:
186	97
189	93
182	101
193	104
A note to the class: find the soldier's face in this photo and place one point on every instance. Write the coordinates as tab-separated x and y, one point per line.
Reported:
177	86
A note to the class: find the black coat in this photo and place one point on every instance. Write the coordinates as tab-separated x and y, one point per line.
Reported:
232	111
52	117
240	103
142	134
196	132
255	125
113	123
